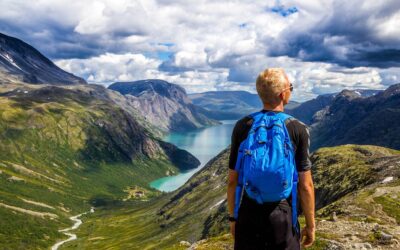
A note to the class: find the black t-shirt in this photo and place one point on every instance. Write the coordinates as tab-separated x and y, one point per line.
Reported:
298	132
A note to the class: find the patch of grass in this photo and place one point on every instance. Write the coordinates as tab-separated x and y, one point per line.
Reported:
390	206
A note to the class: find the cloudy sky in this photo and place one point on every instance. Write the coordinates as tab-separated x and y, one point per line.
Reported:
203	45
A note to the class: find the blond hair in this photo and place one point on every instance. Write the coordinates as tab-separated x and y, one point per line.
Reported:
269	84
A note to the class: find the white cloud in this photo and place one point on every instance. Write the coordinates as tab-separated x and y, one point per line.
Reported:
214	45
108	68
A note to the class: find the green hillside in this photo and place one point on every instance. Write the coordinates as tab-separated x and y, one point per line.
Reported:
343	175
65	149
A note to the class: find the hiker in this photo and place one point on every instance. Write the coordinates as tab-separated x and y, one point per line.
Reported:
270	173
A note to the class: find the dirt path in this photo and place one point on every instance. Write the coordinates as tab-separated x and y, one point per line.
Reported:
72	236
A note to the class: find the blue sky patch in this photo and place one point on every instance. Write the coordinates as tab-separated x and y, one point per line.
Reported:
167	44
164	55
281	10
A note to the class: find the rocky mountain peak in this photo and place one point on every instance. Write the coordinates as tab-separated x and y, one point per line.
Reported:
20	62
391	91
348	94
151	87
165	105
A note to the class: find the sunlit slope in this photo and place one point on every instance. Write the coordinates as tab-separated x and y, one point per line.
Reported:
64	149
198	209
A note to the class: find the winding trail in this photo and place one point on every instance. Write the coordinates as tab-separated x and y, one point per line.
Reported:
72	236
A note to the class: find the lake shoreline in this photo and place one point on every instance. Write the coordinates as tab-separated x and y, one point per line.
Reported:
204	144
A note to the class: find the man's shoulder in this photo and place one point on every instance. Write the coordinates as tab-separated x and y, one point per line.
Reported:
297	129
294	122
245	121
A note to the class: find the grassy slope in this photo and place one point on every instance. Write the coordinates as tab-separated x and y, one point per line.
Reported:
56	153
191	212
188	213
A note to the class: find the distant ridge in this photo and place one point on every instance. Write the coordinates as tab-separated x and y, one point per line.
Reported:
230	104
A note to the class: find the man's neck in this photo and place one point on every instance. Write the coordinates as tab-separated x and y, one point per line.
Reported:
275	108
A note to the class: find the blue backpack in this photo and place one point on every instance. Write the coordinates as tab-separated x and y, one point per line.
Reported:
265	163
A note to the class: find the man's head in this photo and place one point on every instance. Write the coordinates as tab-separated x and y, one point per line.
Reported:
273	87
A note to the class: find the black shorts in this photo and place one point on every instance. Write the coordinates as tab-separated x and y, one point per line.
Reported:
267	226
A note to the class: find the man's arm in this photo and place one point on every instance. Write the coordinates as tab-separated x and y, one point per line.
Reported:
305	185
307	200
232	174
232	183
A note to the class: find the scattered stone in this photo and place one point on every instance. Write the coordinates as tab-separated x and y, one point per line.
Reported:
387	179
184	244
202	241
367	246
334	245
361	246
385	238
333	216
354	238
15	178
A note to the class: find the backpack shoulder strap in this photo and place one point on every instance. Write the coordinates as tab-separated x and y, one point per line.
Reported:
283	116
256	115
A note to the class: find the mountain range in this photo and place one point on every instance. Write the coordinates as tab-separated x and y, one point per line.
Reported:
352	116
305	111
67	146
228	105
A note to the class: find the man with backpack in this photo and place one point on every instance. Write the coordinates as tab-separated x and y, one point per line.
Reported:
270	173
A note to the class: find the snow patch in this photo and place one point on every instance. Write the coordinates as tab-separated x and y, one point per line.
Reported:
10	60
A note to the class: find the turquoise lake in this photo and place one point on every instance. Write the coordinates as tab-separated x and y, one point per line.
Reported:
204	144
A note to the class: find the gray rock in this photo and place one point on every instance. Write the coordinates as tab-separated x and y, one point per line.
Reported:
385	237
184	243
375	227
361	246
334	245
387	179
367	246
333	216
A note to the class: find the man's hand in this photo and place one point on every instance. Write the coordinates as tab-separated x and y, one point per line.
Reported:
307	199
307	236
233	224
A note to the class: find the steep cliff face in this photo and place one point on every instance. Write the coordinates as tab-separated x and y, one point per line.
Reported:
20	62
163	104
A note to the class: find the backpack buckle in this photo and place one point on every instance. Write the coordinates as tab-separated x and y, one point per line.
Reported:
247	152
